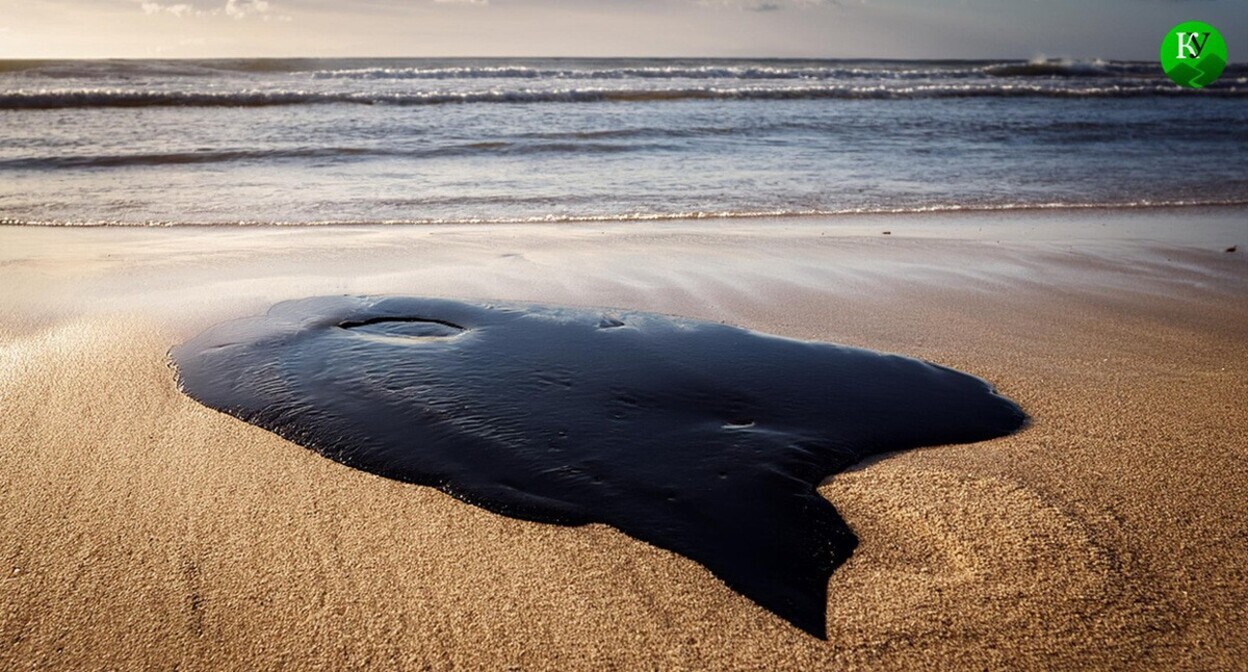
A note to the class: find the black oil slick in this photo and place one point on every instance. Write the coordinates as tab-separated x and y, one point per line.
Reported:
704	439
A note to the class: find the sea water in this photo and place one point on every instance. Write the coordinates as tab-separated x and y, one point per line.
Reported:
464	140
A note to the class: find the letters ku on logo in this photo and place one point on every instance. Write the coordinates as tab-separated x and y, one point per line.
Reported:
1193	54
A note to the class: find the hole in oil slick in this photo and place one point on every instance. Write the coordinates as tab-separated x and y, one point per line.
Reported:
700	438
413	328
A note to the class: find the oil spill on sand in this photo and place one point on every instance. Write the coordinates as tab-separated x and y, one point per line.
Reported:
700	438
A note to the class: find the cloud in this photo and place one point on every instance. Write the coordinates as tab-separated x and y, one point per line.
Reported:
235	9
462	2
765	5
240	9
180	9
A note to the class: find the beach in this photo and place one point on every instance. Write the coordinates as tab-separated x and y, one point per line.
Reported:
139	529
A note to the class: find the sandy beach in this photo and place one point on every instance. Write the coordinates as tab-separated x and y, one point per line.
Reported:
140	530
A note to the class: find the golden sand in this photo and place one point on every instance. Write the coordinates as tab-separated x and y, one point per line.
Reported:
141	530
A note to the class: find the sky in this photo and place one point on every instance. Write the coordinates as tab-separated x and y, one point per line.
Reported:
1080	29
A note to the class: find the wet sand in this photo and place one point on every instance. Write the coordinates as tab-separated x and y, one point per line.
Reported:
140	529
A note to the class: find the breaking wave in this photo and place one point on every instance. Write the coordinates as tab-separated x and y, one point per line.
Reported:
97	98
933	208
314	153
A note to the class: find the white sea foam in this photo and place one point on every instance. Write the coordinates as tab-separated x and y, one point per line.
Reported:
45	99
624	217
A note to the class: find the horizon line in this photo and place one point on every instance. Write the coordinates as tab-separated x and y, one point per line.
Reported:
556	57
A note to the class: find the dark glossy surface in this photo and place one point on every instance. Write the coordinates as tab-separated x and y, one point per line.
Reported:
704	439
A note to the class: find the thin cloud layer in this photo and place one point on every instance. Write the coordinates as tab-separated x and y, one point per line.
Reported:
900	29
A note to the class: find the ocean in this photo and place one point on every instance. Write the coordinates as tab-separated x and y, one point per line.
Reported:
338	141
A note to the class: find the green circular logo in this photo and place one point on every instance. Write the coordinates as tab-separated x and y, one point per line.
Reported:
1193	54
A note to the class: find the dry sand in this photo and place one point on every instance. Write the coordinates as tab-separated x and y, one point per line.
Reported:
141	530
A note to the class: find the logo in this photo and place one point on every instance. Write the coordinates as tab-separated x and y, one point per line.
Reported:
1193	54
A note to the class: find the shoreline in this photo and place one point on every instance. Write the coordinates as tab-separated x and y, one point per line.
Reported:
138	528
1024	209
53	271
